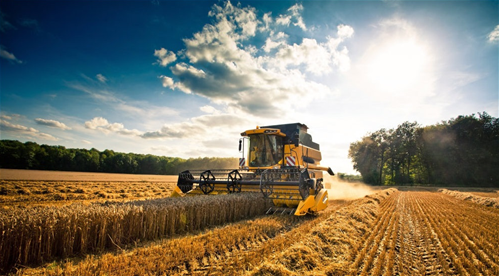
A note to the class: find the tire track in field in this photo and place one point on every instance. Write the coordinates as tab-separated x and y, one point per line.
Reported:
402	242
434	258
407	260
372	251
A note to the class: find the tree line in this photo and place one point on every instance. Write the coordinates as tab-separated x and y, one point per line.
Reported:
462	151
30	155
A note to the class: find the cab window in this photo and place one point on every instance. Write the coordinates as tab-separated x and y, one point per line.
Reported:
265	150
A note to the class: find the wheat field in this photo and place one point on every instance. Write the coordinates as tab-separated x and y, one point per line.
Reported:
38	188
388	232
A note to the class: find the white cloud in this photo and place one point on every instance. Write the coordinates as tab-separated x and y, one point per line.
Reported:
208	109
26	131
283	20
218	143
171	151
494	35
51	123
267	20
316	57
345	31
9	56
342	60
275	42
101	78
295	12
218	120
167	82
121	103
165	57
86	142
101	124
294	15
181	130
96	122
12	116
197	127
243	19
182	68
221	64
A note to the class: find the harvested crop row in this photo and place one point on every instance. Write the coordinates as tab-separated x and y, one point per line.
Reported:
486	201
227	250
468	233
245	259
183	255
423	233
371	256
326	249
40	234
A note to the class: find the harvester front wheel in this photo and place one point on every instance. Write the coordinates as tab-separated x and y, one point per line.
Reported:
319	186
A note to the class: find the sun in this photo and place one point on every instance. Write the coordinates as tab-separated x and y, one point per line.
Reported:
398	66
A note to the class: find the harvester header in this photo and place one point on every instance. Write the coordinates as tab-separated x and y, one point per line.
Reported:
280	161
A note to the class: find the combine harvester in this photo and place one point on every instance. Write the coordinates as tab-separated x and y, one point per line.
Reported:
280	161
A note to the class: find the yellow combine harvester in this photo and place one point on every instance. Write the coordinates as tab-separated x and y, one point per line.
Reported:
280	161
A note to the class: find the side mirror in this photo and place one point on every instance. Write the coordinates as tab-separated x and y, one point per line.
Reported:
297	139
330	171
240	144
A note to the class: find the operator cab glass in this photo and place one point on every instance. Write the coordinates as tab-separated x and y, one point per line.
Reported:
265	150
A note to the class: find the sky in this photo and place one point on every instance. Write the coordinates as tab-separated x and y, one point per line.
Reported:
185	78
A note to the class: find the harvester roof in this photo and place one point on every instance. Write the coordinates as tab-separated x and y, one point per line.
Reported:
296	128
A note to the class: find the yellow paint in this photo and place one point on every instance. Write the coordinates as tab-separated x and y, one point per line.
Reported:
270	131
320	201
177	192
304	206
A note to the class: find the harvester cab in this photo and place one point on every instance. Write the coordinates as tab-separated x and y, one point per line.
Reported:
280	161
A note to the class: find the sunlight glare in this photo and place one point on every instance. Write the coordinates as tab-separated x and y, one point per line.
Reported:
398	66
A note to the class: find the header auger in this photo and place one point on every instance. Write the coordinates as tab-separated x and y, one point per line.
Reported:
280	161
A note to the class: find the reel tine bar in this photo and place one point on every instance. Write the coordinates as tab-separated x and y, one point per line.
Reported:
207	182
234	182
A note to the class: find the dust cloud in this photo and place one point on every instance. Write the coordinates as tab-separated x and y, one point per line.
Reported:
338	189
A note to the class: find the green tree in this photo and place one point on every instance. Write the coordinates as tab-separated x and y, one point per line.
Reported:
460	151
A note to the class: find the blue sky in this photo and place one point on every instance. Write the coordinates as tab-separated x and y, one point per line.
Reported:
185	78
